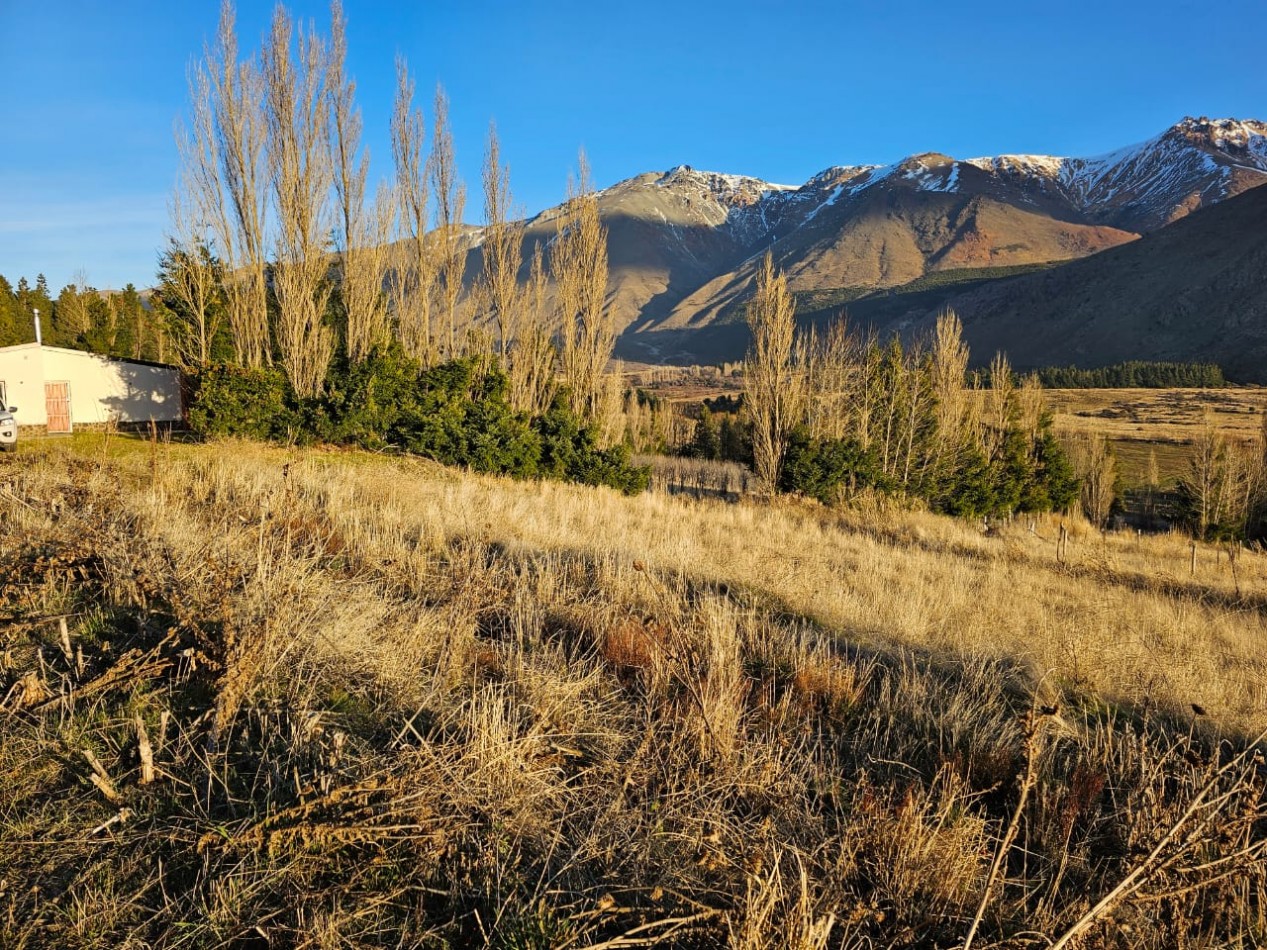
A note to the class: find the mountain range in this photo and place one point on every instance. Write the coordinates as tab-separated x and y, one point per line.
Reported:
892	243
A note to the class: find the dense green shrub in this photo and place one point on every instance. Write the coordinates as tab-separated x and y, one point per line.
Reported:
373	404
457	413
570	451
464	418
1025	476
1054	485
824	468
227	400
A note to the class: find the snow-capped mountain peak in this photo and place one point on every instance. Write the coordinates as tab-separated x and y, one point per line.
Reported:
732	190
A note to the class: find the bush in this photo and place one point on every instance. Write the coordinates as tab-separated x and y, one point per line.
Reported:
569	451
1026	476
228	400
457	413
372	404
824	468
463	418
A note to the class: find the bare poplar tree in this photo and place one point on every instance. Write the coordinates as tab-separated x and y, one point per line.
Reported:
920	398
362	235
72	308
949	367
192	276
1206	476
869	391
1097	467
1000	403
772	385
224	155
503	240
412	276
450	197
1256	483
833	365
1031	406
532	356
300	174
891	404
578	264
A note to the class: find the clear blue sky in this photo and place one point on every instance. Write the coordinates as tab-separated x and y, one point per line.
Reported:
89	93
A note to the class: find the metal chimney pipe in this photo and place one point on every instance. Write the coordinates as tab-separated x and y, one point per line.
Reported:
39	341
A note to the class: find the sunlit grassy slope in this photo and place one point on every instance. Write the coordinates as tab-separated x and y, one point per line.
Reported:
331	699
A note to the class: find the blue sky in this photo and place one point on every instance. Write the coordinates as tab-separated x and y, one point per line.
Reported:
90	92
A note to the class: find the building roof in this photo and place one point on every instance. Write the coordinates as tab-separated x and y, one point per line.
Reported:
100	356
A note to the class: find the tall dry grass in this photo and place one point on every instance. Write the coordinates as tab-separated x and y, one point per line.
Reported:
387	703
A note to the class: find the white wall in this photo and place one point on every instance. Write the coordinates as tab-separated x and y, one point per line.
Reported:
22	371
101	388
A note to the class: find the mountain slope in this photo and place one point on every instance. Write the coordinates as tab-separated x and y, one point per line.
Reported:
683	245
880	227
885	228
1196	290
670	233
1193	164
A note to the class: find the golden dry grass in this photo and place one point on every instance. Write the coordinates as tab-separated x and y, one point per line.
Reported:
390	703
1162	422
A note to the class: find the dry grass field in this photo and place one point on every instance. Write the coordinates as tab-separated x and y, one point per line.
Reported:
264	697
1162	422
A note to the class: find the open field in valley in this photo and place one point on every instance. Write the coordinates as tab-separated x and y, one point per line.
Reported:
1164	422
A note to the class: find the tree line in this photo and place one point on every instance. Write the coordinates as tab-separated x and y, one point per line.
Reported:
283	255
291	280
349	310
1135	374
115	323
833	413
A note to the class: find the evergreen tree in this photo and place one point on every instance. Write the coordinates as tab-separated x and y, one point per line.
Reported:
10	322
129	338
707	443
735	440
100	335
30	299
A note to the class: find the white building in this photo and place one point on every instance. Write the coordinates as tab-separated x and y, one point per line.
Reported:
60	389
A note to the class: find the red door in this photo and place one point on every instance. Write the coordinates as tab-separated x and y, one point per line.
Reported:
57	406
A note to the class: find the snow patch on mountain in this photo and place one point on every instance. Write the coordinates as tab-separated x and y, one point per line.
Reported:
871	177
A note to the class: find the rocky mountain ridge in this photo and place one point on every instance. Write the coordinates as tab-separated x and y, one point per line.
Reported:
683	245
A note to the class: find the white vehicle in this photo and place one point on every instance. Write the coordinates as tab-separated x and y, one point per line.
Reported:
8	429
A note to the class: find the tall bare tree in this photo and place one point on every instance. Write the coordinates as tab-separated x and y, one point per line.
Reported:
450	198
362	234
301	176
191	277
532	355
72	306
412	276
1000	406
1031	406
1097	466
578	264
949	367
772	384
224	157
832	363
502	246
